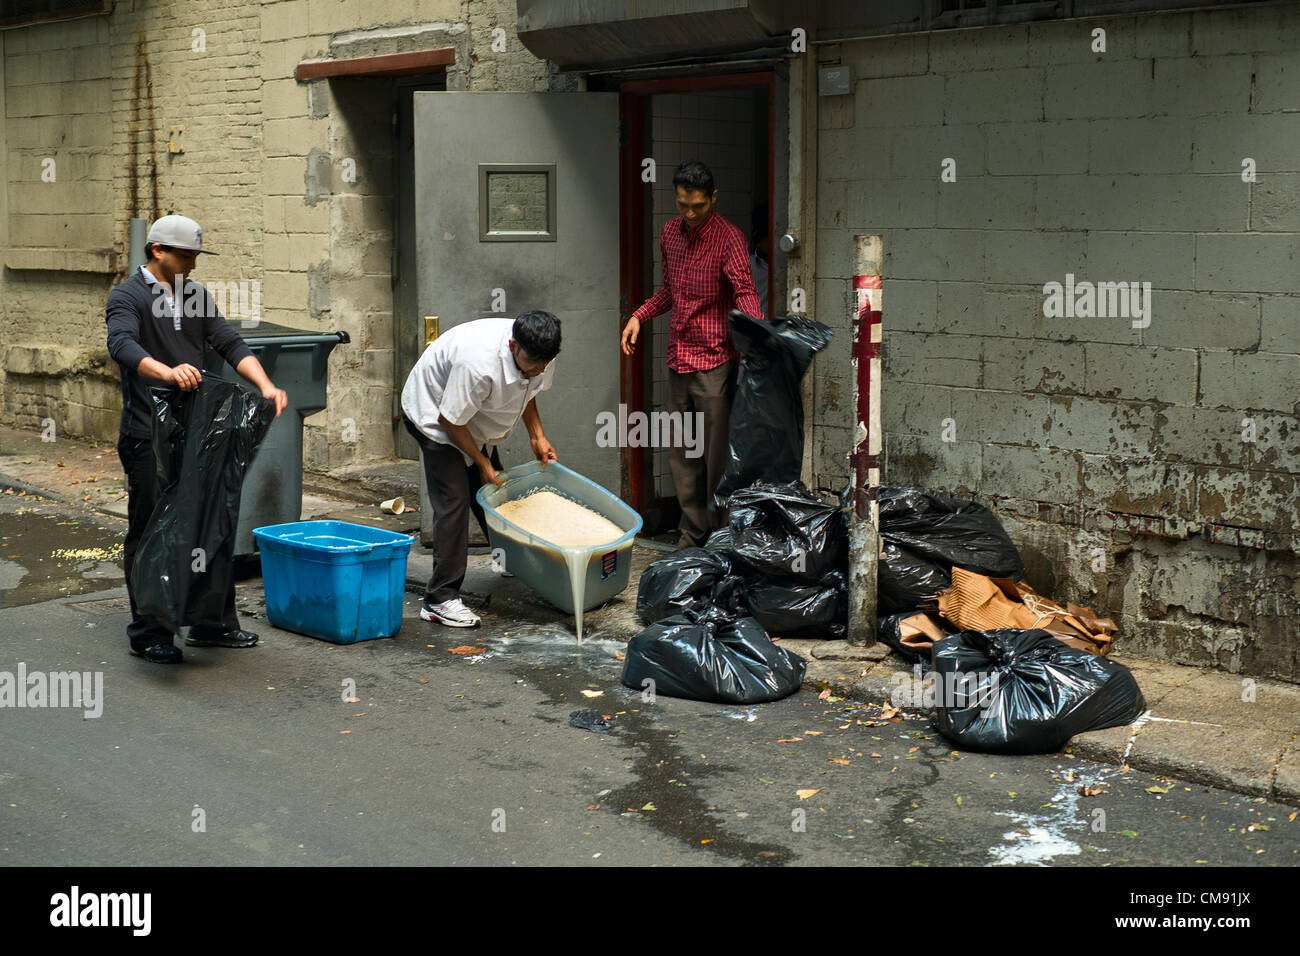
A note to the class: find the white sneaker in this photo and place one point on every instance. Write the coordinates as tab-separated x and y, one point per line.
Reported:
452	613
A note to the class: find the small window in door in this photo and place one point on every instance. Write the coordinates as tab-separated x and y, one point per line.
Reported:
516	202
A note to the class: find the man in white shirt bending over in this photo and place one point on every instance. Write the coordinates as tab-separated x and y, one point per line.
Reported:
467	392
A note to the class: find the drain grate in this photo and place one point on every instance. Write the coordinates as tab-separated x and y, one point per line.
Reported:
101	606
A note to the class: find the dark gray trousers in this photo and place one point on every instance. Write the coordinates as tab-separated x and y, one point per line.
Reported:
695	479
452	486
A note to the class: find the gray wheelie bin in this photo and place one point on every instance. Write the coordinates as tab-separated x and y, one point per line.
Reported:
297	362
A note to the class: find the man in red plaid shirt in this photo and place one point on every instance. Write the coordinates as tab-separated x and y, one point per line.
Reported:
706	275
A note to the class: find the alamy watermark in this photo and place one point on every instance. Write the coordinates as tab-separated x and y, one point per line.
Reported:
235	300
651	430
1102	300
54	689
129	910
954	690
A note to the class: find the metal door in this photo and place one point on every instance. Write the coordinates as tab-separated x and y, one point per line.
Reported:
516	208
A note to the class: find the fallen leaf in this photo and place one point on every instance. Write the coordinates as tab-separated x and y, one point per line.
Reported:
959	801
594	806
1293	815
345	731
877	755
649	806
1011	794
812	733
842	763
1157	789
362	714
350	700
789	740
889	710
805	794
619	656
585	693
913	750
423	680
824	694
1087	791
1127	833
710	840
466	649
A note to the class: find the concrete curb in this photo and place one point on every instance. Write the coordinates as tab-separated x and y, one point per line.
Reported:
1114	745
6	481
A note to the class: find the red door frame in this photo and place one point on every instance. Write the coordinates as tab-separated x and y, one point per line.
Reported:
632	242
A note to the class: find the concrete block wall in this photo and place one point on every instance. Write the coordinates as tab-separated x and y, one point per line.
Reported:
55	130
261	170
329	235
1148	471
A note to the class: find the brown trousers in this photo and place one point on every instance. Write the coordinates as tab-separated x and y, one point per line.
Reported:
696	479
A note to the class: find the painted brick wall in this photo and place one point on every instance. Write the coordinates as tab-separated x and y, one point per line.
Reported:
1125	166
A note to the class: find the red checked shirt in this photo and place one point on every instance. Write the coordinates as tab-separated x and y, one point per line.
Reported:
706	275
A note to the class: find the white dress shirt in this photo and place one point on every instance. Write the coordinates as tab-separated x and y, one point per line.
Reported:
469	377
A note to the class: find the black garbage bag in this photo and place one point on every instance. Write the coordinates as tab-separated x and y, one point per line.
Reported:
889	631
725	663
789	607
924	535
729	599
204	441
766	431
683	579
720	541
1025	692
784	530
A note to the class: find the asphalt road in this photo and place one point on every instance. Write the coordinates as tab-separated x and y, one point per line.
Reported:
253	756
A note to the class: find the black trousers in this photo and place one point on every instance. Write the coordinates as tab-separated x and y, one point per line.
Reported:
452	486
136	455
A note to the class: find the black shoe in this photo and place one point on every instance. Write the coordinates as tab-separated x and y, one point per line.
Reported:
164	652
228	639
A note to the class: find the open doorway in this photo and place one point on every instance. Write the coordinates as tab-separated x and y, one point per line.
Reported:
725	122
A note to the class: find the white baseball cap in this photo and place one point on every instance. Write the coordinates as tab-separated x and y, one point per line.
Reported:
180	232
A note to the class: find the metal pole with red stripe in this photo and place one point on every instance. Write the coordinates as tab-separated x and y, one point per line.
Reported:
868	438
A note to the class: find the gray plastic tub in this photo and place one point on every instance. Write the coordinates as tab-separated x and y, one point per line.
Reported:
573	579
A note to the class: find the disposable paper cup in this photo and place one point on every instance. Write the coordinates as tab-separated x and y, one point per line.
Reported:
393	506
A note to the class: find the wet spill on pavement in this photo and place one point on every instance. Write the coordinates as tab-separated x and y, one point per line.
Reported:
46	556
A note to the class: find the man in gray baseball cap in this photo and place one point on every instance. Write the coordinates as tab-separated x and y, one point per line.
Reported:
156	341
